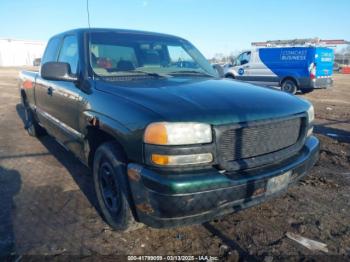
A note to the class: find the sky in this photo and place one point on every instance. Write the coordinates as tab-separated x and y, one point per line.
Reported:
213	26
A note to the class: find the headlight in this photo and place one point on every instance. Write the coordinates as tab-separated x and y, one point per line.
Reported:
311	114
164	133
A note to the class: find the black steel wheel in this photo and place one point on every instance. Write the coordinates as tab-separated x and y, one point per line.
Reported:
112	188
109	188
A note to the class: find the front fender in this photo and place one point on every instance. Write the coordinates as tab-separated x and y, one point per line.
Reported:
129	139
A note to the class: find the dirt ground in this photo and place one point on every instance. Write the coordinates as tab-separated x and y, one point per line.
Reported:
48	205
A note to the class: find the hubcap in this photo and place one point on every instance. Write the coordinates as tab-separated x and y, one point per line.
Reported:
108	187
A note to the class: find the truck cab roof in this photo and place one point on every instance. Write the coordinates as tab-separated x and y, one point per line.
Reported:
115	30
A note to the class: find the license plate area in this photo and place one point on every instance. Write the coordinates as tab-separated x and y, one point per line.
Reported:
278	183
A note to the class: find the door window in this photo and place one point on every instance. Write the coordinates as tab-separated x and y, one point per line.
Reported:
69	52
51	50
243	58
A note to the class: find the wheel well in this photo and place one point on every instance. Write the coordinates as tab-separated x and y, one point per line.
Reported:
290	78
95	138
229	75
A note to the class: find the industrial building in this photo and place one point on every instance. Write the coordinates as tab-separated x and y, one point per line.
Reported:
20	52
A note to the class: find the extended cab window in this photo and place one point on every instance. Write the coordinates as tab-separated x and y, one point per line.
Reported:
51	50
69	52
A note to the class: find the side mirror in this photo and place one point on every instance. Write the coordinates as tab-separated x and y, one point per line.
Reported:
58	71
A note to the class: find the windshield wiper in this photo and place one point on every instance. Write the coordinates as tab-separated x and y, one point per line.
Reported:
150	74
130	73
184	72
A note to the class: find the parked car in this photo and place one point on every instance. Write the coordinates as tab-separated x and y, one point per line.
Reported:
291	68
168	143
337	67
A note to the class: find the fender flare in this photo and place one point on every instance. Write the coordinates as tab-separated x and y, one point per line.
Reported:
110	126
230	74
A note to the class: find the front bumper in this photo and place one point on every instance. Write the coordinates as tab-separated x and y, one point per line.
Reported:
181	199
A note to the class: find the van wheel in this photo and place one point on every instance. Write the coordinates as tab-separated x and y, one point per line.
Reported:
111	186
289	86
31	125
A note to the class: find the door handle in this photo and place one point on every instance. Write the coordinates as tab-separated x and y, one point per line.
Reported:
246	66
49	91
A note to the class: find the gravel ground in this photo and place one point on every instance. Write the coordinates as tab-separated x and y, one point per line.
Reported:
48	205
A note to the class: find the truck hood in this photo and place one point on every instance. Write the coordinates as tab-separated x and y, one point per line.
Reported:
208	100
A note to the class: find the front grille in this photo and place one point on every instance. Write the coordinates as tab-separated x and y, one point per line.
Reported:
263	141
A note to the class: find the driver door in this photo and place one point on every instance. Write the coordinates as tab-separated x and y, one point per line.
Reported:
62	100
242	66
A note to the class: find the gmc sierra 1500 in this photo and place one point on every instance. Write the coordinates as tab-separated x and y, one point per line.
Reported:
169	142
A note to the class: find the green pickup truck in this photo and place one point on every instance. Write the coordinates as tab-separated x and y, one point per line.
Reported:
168	141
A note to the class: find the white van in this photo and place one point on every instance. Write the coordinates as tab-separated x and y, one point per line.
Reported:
291	68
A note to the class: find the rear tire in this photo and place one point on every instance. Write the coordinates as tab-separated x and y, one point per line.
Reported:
111	186
289	86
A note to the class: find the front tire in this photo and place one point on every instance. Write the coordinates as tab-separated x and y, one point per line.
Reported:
289	86
111	186
31	125
229	76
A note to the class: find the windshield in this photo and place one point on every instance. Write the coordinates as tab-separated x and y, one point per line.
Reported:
131	54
